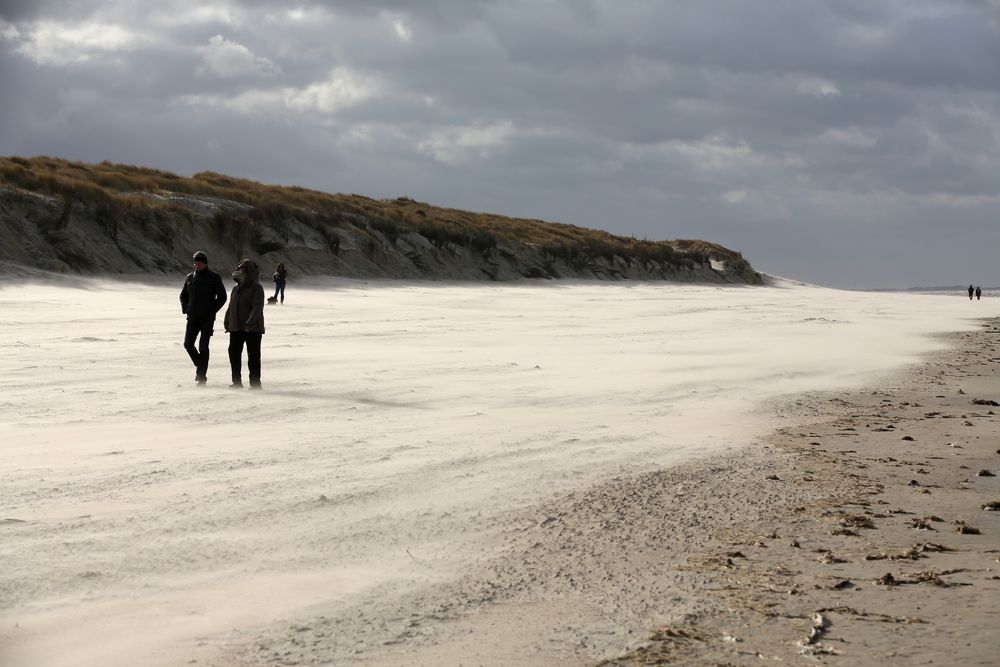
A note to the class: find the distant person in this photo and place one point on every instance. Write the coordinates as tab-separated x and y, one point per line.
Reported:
245	322
202	296
972	290
979	292
279	278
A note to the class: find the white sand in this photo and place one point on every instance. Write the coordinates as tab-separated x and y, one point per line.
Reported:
401	428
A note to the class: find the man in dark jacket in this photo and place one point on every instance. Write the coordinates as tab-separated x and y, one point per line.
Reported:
202	296
245	322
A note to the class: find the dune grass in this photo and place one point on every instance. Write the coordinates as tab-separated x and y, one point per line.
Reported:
123	189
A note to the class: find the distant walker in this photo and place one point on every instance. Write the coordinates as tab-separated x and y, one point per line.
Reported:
279	278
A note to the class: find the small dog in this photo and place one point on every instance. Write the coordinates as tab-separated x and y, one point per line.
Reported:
272	300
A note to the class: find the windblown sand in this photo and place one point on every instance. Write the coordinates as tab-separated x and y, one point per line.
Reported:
545	474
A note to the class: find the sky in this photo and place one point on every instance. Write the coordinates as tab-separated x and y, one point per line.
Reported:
845	143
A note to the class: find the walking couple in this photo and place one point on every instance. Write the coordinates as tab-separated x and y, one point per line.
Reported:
203	296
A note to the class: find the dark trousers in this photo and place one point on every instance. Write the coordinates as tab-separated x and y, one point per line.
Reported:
199	355
236	341
279	287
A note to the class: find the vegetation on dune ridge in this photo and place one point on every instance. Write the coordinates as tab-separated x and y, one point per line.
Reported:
242	206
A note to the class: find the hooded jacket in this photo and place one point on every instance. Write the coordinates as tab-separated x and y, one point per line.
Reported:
203	295
246	301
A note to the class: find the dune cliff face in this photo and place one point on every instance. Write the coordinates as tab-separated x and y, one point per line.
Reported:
156	233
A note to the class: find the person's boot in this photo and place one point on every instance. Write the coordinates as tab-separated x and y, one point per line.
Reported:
237	384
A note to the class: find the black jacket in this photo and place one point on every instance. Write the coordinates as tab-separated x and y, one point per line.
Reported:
203	295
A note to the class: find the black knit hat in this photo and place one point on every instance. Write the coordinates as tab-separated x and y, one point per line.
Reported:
200	257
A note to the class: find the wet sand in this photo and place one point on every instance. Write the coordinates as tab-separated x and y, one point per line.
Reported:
880	550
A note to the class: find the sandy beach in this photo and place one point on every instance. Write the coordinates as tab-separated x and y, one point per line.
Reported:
503	475
869	534
880	540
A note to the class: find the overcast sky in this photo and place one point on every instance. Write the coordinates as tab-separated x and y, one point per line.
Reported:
853	144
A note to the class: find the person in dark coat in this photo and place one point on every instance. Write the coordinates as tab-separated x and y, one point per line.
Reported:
202	296
245	322
972	290
279	278
979	292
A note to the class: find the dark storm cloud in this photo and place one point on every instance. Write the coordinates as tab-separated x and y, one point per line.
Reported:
436	12
852	143
21	10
